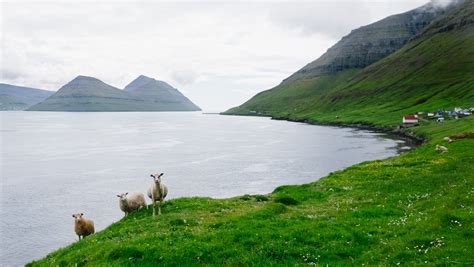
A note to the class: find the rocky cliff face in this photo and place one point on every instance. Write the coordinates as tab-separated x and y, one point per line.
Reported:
373	42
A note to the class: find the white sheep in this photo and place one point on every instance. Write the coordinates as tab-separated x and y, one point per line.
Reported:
443	149
448	139
131	202
157	192
82	226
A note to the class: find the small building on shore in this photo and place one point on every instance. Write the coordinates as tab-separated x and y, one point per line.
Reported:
411	119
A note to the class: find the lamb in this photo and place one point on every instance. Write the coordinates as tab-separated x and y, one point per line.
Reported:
442	149
448	139
131	202
157	192
82	226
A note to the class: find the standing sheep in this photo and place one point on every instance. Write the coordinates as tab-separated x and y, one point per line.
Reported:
131	202
442	149
82	226
157	192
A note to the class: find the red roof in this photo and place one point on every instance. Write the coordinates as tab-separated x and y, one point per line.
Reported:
411	117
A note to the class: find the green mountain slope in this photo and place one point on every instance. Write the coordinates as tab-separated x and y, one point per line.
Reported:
368	44
19	98
432	71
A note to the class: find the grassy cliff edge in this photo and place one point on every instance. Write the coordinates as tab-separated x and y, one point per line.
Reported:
411	209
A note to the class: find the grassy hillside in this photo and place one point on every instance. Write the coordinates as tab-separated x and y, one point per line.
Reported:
413	209
432	71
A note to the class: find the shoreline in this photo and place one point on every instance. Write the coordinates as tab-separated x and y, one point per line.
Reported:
413	139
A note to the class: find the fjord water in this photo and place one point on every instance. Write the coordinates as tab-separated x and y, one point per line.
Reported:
54	164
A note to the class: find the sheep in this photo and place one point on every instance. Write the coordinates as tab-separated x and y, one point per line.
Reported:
131	202
82	226
448	139
157	192
442	149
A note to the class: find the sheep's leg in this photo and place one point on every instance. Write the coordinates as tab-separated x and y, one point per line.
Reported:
159	207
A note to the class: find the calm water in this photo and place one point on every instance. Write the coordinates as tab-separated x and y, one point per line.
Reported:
55	164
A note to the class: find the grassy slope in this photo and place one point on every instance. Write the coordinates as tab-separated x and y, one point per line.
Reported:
385	91
411	209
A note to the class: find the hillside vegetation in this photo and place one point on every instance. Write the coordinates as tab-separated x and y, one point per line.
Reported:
432	71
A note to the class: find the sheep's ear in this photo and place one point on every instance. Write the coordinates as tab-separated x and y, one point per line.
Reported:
82	214
126	193
74	215
161	174
118	195
152	175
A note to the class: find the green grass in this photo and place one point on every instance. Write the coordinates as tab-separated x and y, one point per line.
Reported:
410	209
429	73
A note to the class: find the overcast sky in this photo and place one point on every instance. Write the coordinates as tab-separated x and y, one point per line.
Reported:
218	54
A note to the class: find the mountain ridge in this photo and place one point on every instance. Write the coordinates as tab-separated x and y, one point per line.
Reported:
13	97
370	43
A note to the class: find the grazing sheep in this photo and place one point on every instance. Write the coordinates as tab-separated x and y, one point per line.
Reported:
157	192
82	226
443	149
447	139
131	202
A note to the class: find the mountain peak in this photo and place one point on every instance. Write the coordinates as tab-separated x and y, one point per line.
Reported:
138	82
84	78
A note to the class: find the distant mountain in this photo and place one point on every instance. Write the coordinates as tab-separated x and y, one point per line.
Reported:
19	98
90	94
87	94
163	95
368	44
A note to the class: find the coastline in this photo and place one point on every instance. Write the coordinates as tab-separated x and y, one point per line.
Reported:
420	171
414	139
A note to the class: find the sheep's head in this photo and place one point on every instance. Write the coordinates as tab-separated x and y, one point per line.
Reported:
123	196
78	216
157	177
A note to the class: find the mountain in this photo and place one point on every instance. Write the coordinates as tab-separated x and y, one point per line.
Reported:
19	98
371	43
90	94
87	94
161	93
433	70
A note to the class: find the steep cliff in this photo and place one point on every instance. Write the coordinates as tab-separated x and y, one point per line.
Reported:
373	42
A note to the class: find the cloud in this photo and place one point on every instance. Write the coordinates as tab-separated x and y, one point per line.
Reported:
184	77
